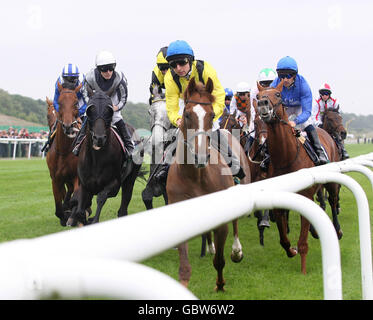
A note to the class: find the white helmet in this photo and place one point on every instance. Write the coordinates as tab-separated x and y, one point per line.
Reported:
243	87
104	57
267	74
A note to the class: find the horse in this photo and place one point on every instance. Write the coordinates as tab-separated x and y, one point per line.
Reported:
100	164
160	126
61	162
202	176
229	122
288	155
51	113
332	123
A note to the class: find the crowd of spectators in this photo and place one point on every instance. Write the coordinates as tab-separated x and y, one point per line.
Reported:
7	148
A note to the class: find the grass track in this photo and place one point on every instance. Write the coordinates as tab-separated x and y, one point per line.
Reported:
27	211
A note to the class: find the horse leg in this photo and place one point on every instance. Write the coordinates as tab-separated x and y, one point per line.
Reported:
333	190
84	200
281	221
262	223
101	199
185	269
206	237
320	198
127	190
147	198
220	236
237	254
302	243
58	193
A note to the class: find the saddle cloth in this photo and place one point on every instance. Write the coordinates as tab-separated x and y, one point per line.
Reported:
309	148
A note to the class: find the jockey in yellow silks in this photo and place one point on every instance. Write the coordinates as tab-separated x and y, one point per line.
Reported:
184	67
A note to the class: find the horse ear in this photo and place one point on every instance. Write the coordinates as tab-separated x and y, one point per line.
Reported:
337	109
280	85
77	89
59	86
209	85
260	88
49	102
255	105
191	87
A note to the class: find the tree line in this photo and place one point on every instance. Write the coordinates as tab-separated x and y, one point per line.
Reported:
134	113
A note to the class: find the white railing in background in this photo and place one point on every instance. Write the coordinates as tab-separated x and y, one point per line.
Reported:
31	268
16	141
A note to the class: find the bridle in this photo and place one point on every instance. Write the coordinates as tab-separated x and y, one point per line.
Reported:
282	121
59	120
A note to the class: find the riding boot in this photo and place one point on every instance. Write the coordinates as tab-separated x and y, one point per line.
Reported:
220	141
314	139
161	175
50	138
122	128
248	144
79	138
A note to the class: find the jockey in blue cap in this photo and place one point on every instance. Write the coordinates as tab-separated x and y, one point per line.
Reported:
297	97
70	78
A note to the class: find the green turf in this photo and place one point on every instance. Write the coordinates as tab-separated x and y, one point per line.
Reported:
27	211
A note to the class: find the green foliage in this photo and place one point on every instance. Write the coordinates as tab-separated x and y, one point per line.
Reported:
36	110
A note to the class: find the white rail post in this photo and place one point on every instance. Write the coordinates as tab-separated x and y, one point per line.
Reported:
331	260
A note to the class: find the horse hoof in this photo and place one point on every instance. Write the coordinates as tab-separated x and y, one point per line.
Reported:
70	222
292	252
236	256
63	222
219	287
340	234
184	283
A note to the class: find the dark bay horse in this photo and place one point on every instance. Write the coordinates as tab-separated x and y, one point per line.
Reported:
61	162
288	155
193	174
100	167
160	126
333	124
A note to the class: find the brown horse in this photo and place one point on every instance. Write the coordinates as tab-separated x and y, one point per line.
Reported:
288	155
333	124
255	156
193	174
51	113
61	162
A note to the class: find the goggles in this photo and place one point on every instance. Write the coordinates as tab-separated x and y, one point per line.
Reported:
285	75
107	67
180	62
324	92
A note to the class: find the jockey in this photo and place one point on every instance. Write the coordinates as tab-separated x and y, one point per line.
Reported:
70	78
265	78
159	72
228	99
113	83
180	57
297	97
324	102
241	103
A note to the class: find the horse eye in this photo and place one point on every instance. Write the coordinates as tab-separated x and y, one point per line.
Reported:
212	115
257	97
187	115
278	95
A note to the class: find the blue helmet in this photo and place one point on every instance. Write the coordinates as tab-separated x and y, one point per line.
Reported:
228	92
70	70
178	49
287	63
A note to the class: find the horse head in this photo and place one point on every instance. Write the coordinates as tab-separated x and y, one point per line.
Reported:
99	113
68	112
229	121
197	120
269	103
333	124
51	113
159	120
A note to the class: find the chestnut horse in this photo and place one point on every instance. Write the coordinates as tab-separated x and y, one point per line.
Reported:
288	155
188	180
61	162
51	113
